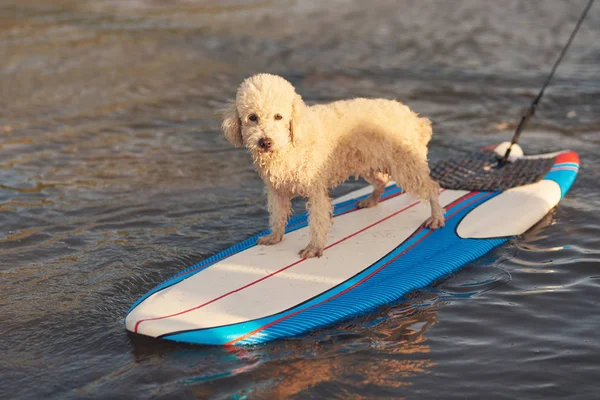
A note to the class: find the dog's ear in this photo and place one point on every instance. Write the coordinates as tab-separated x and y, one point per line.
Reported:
231	125
297	111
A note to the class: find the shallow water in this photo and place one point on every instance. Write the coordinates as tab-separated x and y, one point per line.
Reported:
114	176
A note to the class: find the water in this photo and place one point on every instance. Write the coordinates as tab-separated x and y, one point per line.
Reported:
114	176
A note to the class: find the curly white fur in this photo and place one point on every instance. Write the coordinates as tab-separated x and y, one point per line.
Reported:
302	150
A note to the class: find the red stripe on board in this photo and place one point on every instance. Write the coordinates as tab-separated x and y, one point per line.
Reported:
188	272
366	278
331	298
569	156
381	201
469	203
276	272
461	199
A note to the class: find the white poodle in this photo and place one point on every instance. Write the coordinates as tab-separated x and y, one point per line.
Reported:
302	150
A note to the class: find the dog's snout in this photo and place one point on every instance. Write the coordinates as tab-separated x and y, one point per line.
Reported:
265	143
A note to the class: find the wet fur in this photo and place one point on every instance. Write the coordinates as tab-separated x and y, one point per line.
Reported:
318	147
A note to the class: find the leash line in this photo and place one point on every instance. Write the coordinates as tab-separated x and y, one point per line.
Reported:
531	110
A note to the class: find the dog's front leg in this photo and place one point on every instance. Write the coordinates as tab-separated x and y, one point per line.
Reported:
319	220
279	211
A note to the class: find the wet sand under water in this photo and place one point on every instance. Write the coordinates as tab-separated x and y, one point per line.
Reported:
114	176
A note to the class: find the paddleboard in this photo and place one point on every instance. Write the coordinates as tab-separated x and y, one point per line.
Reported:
250	294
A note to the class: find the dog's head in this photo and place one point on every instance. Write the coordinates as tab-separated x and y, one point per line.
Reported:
264	116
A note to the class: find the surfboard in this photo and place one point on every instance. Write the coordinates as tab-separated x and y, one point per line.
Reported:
250	294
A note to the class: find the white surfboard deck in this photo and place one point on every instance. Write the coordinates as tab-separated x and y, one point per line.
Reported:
306	279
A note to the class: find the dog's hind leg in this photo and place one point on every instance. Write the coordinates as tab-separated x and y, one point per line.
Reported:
413	177
437	212
379	180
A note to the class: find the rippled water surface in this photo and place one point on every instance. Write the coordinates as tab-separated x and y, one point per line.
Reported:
114	176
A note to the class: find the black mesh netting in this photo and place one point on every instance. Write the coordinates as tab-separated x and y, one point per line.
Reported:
480	171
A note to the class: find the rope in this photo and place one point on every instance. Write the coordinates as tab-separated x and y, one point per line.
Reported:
531	110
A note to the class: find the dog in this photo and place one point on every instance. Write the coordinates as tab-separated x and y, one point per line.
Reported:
302	150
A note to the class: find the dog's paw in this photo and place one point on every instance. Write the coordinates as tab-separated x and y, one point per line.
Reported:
270	239
367	203
311	251
434	222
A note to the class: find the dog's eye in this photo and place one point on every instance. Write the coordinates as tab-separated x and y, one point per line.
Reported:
278	117
253	117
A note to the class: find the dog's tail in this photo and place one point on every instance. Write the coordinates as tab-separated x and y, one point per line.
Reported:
425	130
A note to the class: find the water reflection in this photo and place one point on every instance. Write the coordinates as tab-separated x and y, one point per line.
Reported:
385	352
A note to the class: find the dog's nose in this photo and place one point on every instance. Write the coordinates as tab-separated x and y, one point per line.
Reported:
265	143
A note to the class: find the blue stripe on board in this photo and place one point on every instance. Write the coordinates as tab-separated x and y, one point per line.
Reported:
294	223
564	178
350	305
